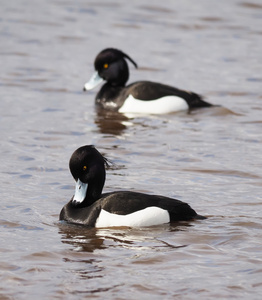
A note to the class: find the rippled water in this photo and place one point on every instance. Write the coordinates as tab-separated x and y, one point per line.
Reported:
210	158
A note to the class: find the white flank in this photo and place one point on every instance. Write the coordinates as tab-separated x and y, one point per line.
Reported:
162	105
146	217
80	191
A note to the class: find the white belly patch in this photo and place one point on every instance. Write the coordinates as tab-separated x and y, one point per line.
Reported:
146	217
162	105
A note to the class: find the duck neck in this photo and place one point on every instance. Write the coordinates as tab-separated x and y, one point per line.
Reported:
109	97
120	74
94	191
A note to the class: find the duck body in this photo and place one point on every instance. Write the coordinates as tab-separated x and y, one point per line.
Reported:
138	97
125	208
91	208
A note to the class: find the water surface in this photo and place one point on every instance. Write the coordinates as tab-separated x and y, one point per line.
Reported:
210	158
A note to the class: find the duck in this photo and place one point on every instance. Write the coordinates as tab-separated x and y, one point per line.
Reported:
90	207
144	97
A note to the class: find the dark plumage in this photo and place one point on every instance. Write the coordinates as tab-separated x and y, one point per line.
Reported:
89	206
111	66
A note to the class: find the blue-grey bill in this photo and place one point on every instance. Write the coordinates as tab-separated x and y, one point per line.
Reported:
94	81
80	192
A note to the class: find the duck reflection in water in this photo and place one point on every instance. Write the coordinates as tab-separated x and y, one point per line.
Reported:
83	239
109	122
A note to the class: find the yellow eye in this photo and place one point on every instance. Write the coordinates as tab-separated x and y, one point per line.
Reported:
84	168
105	66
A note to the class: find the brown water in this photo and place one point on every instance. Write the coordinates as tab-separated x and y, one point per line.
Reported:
209	158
